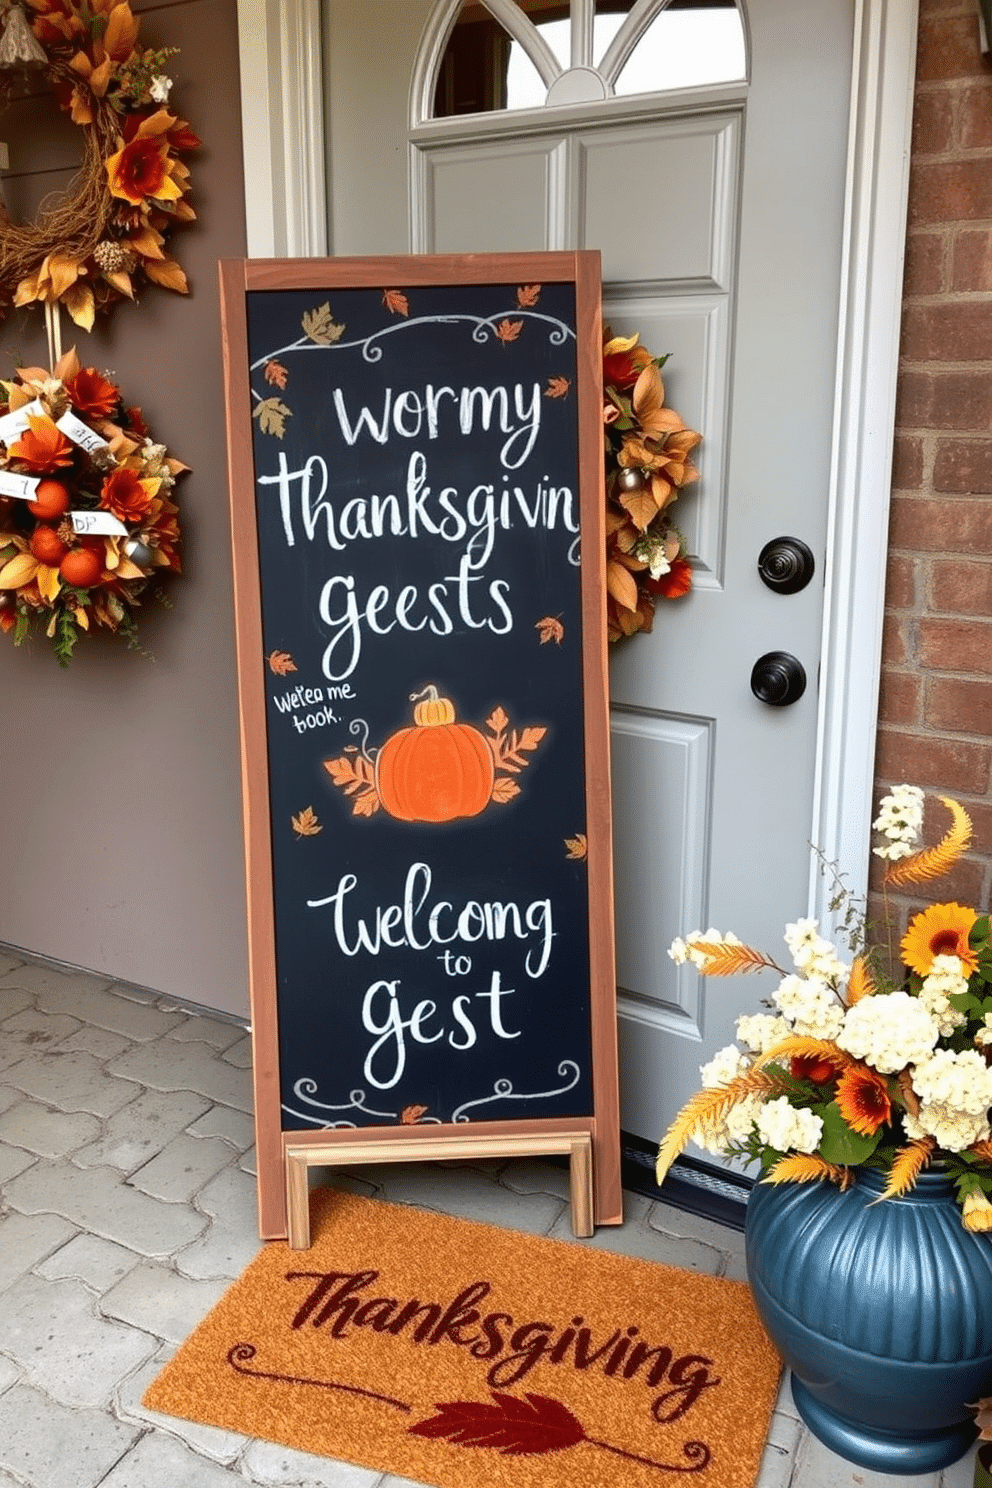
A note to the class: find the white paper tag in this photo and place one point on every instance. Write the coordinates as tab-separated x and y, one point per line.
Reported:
12	425
80	433
100	523
21	486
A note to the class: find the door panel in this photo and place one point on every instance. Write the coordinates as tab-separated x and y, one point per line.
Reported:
647	748
719	216
680	222
516	210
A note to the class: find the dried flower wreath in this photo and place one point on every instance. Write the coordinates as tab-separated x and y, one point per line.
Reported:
647	448
88	247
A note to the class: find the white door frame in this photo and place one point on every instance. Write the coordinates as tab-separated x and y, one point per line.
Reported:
282	114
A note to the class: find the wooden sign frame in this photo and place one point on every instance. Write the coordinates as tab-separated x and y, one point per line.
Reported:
591	1141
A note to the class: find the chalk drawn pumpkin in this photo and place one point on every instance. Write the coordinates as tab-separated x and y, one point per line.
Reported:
437	770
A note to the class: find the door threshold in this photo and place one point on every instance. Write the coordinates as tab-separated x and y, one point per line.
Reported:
693	1186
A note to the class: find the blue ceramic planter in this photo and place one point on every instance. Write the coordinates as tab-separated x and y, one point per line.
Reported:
883	1313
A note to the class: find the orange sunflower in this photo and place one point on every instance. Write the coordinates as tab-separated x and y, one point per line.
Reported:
862	1097
940	930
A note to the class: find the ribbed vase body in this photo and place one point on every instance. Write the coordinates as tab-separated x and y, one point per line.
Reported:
883	1312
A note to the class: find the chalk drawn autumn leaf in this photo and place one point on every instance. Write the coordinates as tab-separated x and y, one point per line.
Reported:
509	330
577	848
557	387
412	1114
321	327
528	295
276	373
510	747
396	300
354	774
305	823
550	629
281	663
531	1426
272	414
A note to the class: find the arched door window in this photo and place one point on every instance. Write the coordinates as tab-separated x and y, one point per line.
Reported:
519	54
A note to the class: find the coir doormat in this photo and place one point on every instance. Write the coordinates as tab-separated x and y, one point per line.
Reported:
467	1356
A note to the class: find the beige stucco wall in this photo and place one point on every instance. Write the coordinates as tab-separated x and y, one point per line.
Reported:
120	826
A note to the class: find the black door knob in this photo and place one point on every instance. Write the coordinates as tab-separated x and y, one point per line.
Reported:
778	679
786	565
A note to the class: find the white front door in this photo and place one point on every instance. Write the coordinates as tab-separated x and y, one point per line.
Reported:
724	216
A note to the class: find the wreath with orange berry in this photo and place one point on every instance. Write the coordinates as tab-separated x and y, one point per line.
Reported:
97	242
87	517
647	449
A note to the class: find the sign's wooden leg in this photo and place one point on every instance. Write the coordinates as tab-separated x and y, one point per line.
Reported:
297	1202
457	1145
580	1176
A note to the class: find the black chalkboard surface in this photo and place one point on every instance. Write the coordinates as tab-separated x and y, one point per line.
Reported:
415	469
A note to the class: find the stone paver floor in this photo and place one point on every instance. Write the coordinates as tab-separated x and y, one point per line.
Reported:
127	1206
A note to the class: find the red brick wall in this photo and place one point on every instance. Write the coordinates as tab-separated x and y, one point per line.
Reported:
935	717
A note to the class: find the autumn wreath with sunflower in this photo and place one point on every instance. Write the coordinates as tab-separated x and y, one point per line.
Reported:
86	510
647	448
94	244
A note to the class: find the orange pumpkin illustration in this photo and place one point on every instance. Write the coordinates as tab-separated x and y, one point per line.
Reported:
437	770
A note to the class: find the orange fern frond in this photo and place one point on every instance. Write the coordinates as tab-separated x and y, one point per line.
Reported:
909	1164
934	862
799	1046
982	1150
708	1106
861	983
728	960
799	1169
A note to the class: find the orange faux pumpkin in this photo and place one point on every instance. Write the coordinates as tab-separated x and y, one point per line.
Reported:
438	769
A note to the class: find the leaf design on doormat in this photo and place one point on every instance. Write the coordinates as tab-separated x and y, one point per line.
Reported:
531	1426
243	1353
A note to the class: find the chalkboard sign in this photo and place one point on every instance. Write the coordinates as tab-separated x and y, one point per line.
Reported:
416	467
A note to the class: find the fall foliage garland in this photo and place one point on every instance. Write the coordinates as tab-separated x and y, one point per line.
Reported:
86	250
647	448
86	509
